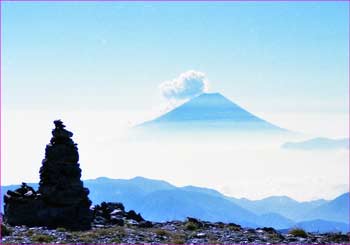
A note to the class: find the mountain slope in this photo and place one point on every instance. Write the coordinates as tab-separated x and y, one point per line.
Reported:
282	205
275	220
129	191
179	204
323	226
210	111
335	210
160	201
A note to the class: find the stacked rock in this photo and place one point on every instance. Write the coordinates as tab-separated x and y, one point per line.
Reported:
62	200
22	205
113	213
60	184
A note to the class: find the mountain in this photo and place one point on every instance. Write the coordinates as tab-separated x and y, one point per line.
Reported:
275	220
334	210
131	192
158	200
318	144
178	204
322	226
209	111
283	205
202	190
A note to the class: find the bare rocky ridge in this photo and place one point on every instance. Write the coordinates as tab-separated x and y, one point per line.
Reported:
191	231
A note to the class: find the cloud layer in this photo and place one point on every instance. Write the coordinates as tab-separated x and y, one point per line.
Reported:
188	85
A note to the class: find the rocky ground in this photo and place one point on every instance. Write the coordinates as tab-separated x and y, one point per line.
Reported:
191	231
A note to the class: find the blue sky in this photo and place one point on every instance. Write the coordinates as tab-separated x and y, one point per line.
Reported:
277	56
98	67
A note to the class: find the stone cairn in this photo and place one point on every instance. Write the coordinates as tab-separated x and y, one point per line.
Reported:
62	200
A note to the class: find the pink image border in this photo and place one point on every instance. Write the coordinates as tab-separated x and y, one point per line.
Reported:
34	1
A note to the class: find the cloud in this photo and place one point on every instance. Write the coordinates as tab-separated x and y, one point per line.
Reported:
188	85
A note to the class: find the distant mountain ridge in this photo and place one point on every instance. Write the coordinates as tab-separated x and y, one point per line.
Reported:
160	201
209	111
326	211
283	205
318	144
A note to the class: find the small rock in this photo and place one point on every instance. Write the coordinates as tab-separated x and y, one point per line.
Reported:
201	235
269	229
116	211
195	221
117	220
145	224
132	222
132	215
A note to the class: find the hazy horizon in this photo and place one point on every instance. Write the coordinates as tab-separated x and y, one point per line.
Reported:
237	167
